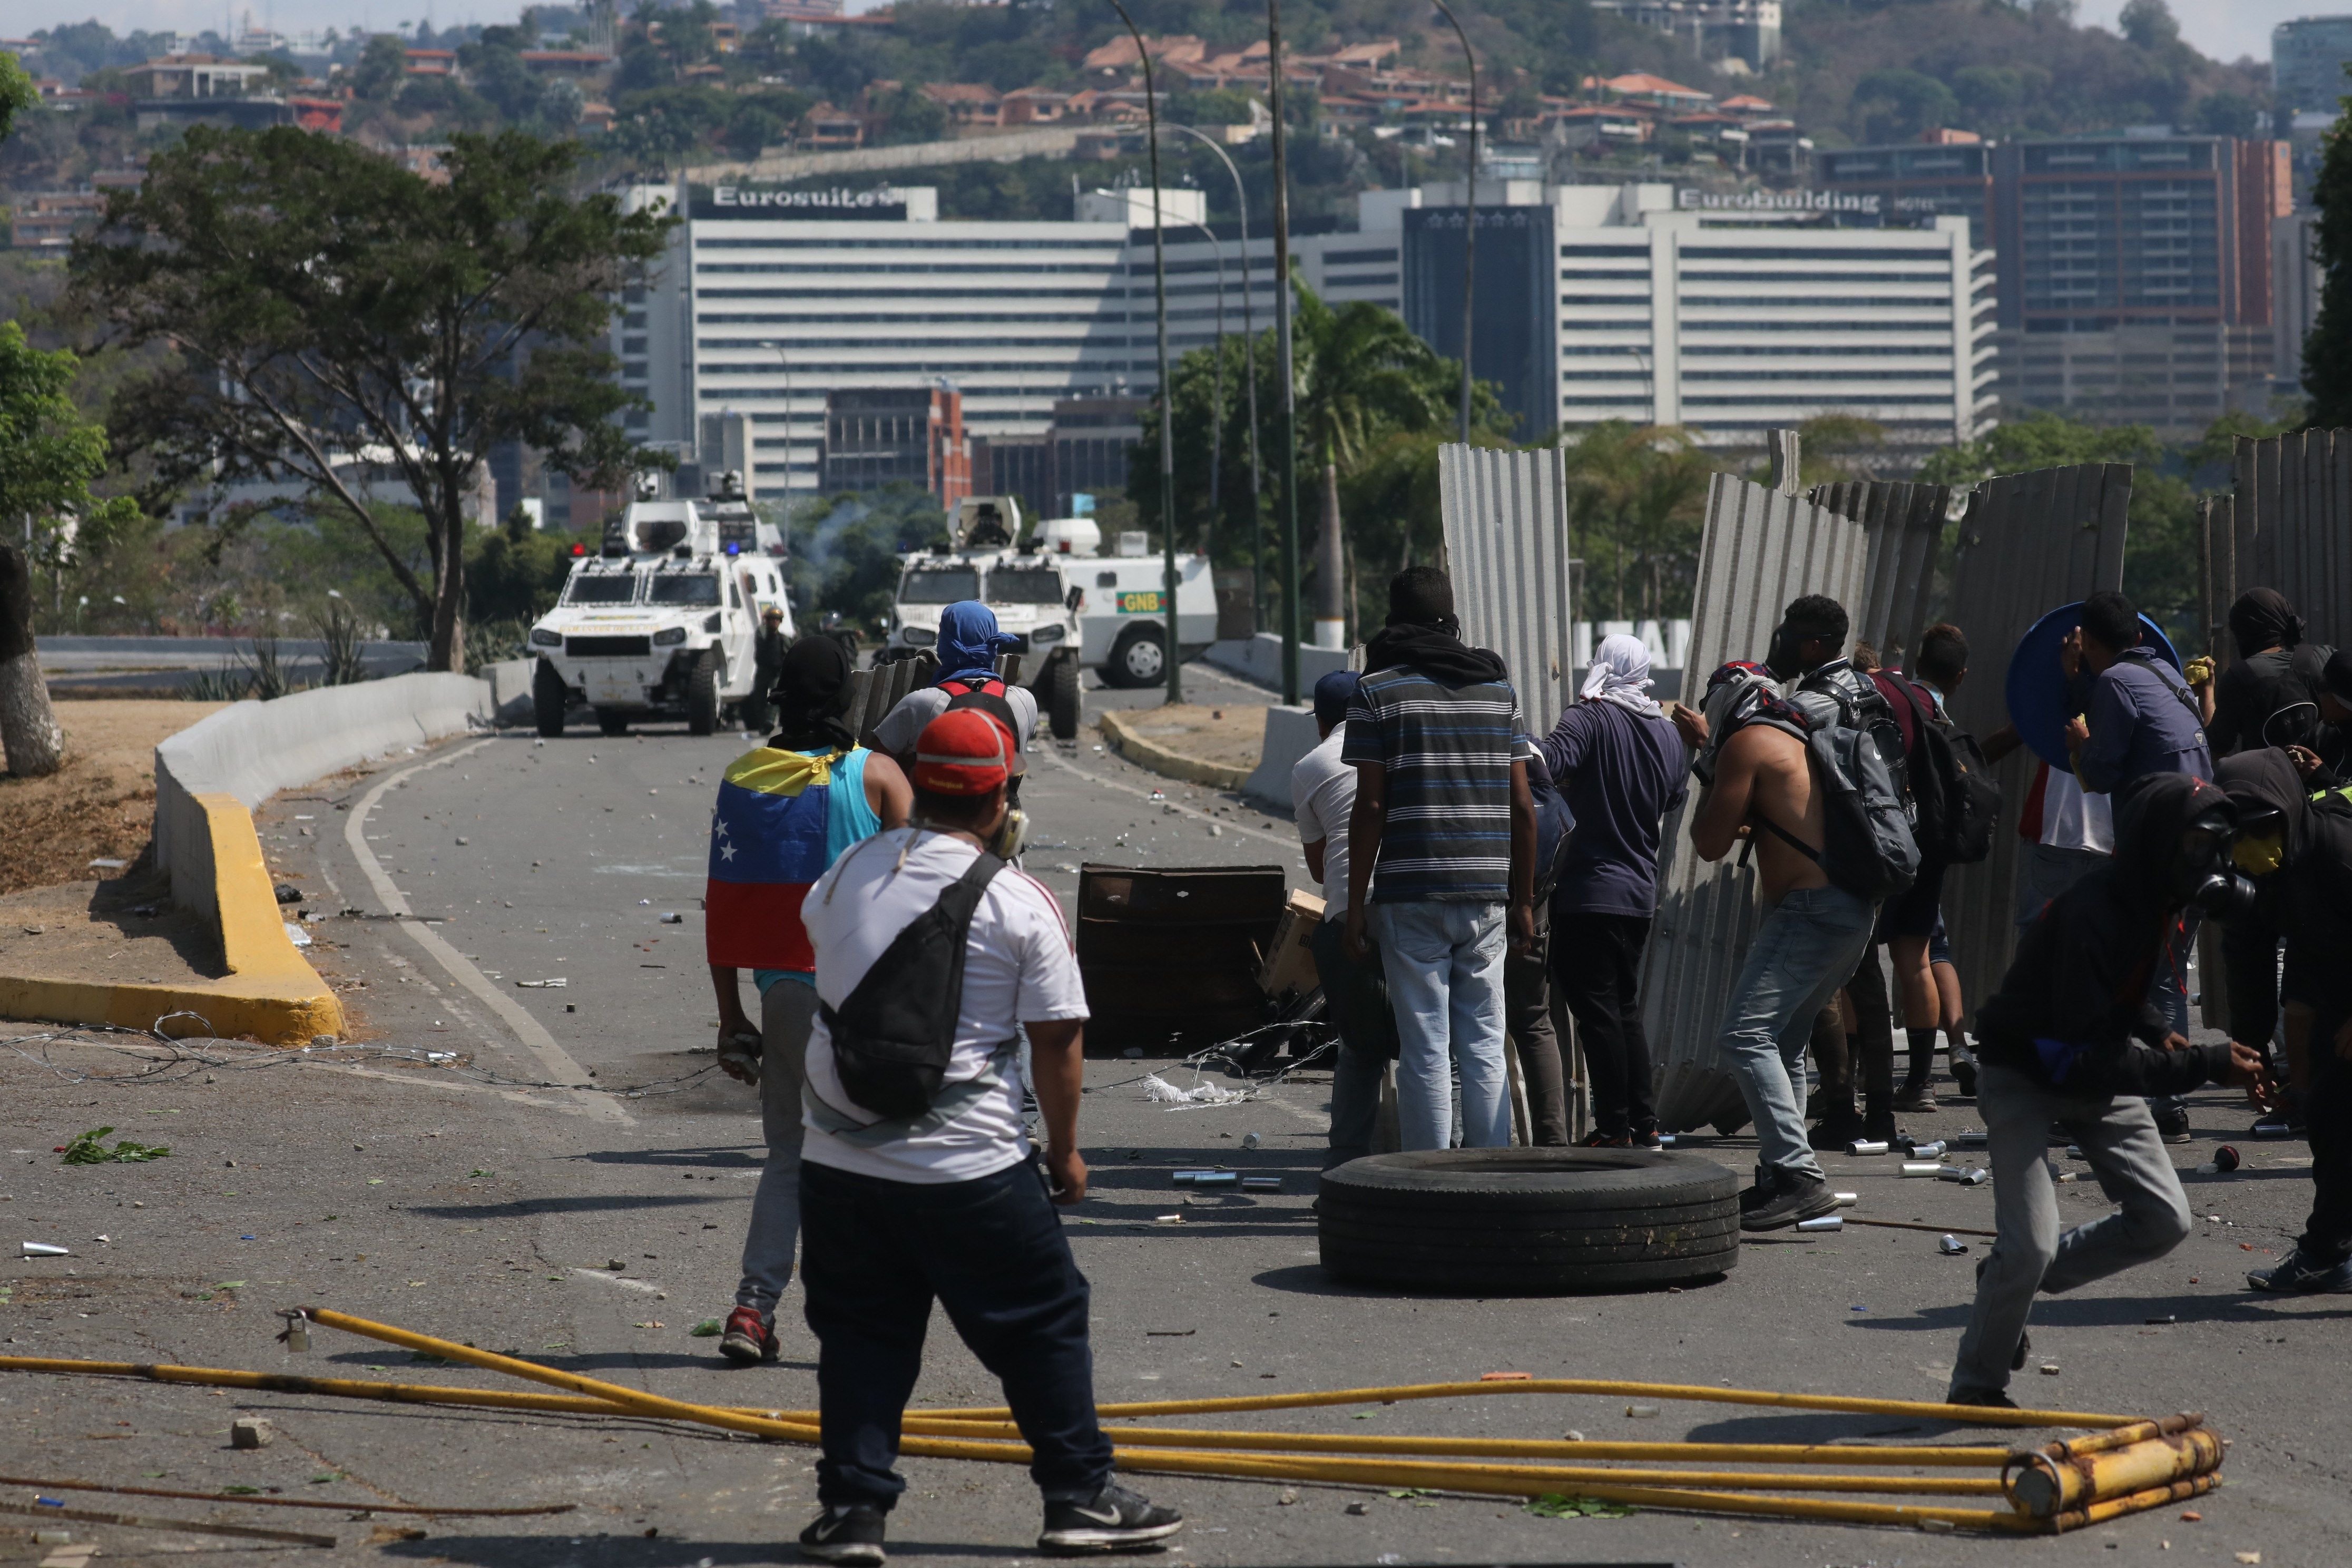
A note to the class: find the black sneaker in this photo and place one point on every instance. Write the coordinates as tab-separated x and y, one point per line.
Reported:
2171	1120
1964	1073
1760	1194
1113	1519
2301	1276
1796	1198
1646	1136
851	1534
1981	1398
1832	1132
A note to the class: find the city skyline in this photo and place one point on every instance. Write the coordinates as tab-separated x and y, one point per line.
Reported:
2222	29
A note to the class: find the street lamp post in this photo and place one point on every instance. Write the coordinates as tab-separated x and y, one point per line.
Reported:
1217	396
1167	391
1469	216
1282	366
1249	369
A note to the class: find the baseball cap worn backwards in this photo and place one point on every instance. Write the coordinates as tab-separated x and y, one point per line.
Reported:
965	751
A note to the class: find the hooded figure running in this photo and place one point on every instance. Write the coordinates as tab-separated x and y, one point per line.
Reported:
2072	1038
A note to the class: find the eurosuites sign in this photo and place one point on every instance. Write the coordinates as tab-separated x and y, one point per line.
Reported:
879	203
1862	202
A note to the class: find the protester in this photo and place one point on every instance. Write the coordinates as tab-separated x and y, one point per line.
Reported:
938	1199
2136	717
768	645
1355	998
2299	853
2072	1038
1443	814
1941	666
2276	675
786	811
1621	765
1758	788
1526	971
968	650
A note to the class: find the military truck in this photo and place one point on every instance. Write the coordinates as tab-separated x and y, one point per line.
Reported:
659	623
1033	595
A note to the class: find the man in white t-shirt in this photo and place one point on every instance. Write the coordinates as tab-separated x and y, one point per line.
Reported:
946	1204
1355	998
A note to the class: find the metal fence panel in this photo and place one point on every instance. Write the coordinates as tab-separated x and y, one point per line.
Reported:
1506	549
1761	549
1906	534
2293	527
2030	542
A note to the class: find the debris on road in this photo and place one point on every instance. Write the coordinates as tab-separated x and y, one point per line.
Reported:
251	1432
86	1150
555	983
45	1249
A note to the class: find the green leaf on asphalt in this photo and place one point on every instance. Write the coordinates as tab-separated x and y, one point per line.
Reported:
86	1150
708	1329
1551	1505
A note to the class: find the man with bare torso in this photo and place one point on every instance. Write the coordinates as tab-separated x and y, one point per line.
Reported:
1760	789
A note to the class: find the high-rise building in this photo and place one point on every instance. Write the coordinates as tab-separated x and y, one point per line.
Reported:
2308	60
1917	182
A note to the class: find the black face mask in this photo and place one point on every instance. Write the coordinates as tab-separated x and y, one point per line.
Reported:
1781	658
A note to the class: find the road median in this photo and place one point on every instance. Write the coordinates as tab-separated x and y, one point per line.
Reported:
1172	750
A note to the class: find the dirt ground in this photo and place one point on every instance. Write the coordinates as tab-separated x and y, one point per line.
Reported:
99	804
1230	736
123	930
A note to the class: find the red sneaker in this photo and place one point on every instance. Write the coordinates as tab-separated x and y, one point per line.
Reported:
1596	1139
749	1337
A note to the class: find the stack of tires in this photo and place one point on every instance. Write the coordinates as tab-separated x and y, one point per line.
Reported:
1539	1221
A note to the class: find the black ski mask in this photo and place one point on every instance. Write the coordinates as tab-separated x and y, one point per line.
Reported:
1781	658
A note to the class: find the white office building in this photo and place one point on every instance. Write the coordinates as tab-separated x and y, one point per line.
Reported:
1635	303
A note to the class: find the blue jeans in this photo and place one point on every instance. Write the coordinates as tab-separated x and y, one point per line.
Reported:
1357	1001
1444	962
1807	945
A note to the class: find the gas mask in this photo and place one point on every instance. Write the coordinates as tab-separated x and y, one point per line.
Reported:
1011	835
2203	872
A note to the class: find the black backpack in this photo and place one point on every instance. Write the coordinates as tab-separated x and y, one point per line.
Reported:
1856	754
894	1033
1953	791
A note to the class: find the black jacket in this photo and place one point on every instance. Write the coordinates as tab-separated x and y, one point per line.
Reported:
2073	1012
2308	899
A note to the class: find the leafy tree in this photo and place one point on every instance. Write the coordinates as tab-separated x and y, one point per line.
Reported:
2223	114
2327	350
1636	497
49	456
382	66
2039	439
2149	24
328	306
1897	105
847	561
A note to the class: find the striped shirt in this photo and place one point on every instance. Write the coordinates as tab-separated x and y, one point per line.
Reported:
1447	755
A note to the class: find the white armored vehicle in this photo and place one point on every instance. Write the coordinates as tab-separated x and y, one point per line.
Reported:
659	623
1031	593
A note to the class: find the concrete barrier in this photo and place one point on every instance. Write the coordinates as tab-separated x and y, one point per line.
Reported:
1290	735
510	681
1259	659
1118	729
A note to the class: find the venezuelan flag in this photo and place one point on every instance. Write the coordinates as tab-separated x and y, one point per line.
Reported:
767	847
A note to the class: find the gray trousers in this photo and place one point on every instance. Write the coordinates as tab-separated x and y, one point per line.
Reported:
787	1012
2118	1136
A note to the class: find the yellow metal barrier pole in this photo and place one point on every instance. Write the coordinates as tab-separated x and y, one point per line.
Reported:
2138	1502
2040	1484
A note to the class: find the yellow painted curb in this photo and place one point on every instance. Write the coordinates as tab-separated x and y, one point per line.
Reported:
271	993
1160	759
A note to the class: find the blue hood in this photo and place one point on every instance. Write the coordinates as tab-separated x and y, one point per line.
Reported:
970	642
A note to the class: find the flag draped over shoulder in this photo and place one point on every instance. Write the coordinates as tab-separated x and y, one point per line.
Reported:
767	847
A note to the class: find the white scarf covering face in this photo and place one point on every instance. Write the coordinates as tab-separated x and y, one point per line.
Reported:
1621	674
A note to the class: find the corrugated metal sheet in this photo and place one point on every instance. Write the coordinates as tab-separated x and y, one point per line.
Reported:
874	692
1506	550
1761	549
1906	534
2293	526
2030	542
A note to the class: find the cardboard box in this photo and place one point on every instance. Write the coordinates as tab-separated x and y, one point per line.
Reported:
1289	965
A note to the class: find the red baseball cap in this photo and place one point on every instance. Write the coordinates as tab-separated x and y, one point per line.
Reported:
965	751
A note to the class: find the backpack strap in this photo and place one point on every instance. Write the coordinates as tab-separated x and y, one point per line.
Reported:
952	1101
1790	840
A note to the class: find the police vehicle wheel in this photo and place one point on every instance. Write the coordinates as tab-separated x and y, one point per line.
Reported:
548	698
1062	695
612	721
702	695
1537	1220
1138	658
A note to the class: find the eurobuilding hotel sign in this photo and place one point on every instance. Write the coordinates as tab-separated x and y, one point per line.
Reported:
1861	203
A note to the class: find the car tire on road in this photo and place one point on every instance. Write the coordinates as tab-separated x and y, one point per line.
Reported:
612	721
1535	1220
1138	658
1063	695
549	698
702	695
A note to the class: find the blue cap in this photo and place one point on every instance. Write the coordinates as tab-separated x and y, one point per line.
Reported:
1332	695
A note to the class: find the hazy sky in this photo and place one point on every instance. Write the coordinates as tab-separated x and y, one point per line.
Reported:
2224	28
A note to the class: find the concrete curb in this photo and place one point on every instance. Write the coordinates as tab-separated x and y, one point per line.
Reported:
271	993
208	777
1160	760
1290	735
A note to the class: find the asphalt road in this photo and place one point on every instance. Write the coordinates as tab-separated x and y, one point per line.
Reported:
593	1230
